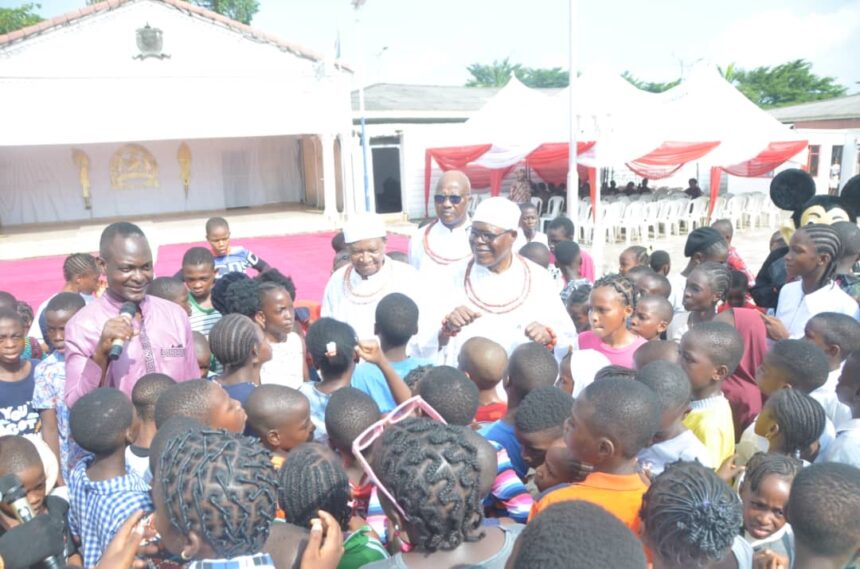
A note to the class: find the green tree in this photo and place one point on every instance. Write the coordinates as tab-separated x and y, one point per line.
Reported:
544	78
12	19
650	86
497	74
790	83
239	10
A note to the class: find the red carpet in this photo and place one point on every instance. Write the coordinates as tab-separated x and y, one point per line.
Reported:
306	258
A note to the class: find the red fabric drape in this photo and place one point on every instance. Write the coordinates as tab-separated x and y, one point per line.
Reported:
550	161
666	159
715	190
775	154
454	158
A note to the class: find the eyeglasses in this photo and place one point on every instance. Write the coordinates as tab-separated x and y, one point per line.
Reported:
486	236
373	432
440	199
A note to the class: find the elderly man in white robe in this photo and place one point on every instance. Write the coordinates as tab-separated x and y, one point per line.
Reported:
354	290
444	242
497	294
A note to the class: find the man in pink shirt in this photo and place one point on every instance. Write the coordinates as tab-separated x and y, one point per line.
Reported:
157	339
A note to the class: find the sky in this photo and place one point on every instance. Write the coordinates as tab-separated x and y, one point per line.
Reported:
407	41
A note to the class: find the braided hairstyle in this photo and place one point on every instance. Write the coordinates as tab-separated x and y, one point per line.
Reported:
827	242
622	285
222	486
719	277
639	253
432	471
764	464
312	480
233	339
801	419
78	264
690	515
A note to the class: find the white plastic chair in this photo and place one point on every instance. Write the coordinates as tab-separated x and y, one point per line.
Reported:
734	210
631	221
554	206
651	221
538	203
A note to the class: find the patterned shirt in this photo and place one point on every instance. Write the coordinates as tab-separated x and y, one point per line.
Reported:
98	509
256	561
202	319
48	394
508	496
238	260
17	415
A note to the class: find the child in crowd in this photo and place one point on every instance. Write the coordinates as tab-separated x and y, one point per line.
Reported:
568	260
204	401
733	261
540	422
557	470
18	416
846	447
703	244
652	317
792	422
331	345
311	479
215	497
242	348
849	235
530	366
171	289
635	256
674	441
281	418
338	242
710	352
824	511
705	289
561	229
649	283
812	257
396	323
577	534
198	272
577	307
691	519
612	303
657	350
660	262
528	231
32	348
537	253
764	492
144	396
276	316
609	424
485	362
738	294
348	414
49	388
587	364
229	259
104	491
202	353
837	335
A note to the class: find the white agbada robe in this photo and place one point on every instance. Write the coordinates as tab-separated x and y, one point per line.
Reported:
352	299
522	294
434	248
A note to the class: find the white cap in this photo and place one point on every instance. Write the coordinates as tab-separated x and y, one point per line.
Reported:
367	226
498	211
586	363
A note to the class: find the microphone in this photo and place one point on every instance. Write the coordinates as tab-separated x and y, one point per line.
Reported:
36	543
128	309
12	492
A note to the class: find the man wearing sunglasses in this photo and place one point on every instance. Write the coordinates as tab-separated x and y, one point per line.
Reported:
444	242
354	290
497	294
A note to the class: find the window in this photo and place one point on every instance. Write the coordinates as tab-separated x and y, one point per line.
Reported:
812	160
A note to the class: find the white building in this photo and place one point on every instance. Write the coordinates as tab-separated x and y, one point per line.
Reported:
143	107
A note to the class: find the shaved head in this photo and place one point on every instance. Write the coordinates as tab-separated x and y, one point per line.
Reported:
452	177
484	361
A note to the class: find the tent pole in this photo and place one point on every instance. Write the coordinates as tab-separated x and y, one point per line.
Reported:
572	174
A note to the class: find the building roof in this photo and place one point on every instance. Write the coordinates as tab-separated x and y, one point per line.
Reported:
395	97
832	109
187	7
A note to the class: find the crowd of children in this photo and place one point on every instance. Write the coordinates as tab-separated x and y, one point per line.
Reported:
688	427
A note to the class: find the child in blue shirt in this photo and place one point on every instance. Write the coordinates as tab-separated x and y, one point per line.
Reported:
229	259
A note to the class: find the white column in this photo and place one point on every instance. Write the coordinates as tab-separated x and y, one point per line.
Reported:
328	177
573	175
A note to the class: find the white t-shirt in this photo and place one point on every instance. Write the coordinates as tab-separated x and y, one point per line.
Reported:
837	412
287	364
676	296
521	241
796	308
686	447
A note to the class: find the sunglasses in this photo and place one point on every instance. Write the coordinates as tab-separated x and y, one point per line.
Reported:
440	199
403	411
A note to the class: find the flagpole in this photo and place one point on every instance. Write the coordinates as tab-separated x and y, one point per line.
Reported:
572	174
357	4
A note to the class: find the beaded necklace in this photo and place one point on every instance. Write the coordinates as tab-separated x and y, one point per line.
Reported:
363	298
435	256
505	307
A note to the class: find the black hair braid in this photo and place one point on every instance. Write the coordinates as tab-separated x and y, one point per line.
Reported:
827	242
640	253
719	277
311	480
433	472
801	420
764	464
622	285
690	515
232	340
78	264
221	485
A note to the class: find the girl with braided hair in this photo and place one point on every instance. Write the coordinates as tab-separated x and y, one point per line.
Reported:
242	348
705	290
612	302
432	471
812	258
792	422
691	518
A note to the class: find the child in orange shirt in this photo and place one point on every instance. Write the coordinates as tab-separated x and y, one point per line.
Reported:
485	362
610	422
